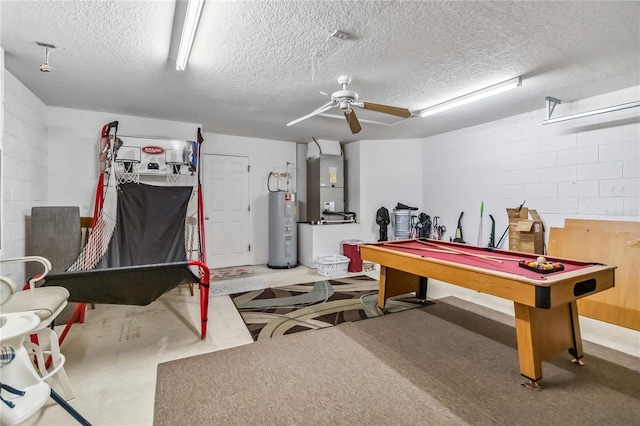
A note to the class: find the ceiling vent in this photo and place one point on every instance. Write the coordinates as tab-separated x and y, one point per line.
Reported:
341	35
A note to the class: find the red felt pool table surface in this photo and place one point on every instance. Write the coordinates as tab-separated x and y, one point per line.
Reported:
545	306
503	261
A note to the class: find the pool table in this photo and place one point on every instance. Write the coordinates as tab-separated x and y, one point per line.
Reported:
545	306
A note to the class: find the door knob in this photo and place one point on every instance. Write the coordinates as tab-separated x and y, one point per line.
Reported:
206	218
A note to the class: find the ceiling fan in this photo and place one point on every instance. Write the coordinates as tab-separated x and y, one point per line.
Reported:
346	99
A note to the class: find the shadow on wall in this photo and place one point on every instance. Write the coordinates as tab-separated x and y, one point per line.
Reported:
566	128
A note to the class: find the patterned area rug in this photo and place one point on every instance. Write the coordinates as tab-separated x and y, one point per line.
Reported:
277	311
221	274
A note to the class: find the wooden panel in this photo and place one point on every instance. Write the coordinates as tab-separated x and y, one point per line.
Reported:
86	226
621	304
603	225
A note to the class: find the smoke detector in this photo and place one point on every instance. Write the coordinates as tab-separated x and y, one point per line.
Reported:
48	48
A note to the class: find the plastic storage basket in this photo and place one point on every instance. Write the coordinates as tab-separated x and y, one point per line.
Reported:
332	264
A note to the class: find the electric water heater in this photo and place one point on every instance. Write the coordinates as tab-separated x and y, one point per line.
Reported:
283	230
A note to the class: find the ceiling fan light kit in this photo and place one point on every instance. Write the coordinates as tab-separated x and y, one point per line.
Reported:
472	97
191	19
345	100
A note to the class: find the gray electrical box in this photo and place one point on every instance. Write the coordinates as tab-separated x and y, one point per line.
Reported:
325	185
283	230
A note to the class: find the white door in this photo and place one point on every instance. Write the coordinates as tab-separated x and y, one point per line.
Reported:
226	210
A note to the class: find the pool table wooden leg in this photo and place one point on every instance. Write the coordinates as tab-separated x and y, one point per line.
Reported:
542	333
421	294
394	282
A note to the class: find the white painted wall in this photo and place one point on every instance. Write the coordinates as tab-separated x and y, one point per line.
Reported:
3	289
352	181
24	168
73	155
390	173
1	141
301	181
265	156
326	147
460	170
322	240
584	168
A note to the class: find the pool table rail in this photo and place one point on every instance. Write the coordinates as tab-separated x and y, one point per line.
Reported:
545	292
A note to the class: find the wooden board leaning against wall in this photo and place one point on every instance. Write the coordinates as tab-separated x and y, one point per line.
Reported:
614	243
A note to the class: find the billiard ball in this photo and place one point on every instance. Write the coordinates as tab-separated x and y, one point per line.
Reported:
541	260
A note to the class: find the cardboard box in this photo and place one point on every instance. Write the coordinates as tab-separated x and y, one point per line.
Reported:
525	234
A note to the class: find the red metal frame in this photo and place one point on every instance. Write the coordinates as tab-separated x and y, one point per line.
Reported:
203	252
204	274
204	295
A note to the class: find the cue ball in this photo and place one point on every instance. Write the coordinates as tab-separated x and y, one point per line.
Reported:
541	260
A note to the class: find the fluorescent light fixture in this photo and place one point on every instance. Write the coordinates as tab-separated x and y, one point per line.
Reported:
552	102
191	18
473	96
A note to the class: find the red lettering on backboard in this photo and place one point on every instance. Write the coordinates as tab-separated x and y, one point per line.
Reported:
154	150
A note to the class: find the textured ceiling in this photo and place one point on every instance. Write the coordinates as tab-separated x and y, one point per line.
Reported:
256	65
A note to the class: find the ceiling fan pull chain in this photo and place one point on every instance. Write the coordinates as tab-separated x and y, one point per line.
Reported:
315	59
315	66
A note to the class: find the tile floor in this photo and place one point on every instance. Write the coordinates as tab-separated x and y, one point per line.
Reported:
111	359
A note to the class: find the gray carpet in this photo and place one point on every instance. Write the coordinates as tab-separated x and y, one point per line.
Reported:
441	364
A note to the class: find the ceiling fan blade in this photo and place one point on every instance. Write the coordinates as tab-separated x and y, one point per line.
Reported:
387	109
320	110
353	122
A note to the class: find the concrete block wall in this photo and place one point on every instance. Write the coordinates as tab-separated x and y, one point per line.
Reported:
583	168
1	142
24	171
